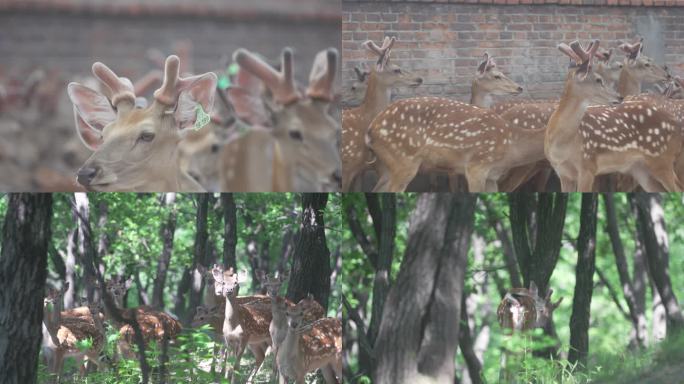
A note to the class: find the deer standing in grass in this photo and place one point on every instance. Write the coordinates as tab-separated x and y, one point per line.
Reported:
244	325
521	310
292	143
136	149
310	346
355	121
62	335
637	138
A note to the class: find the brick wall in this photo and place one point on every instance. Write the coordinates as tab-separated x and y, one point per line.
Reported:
443	41
71	41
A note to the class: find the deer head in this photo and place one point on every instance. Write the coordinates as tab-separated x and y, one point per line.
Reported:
272	284
522	309
641	66
206	314
489	79
117	287
227	283
608	68
583	85
134	146
306	134
385	73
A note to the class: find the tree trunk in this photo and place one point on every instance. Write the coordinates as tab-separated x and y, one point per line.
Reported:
623	270
167	231
420	326
70	270
310	271
584	281
640	276
23	269
465	342
200	251
652	220
506	245
229	230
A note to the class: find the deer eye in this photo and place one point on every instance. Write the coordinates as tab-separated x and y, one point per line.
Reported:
146	136
397	70
599	80
647	65
296	135
497	77
214	149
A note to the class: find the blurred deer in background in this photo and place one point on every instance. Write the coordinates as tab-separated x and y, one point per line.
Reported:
520	310
136	147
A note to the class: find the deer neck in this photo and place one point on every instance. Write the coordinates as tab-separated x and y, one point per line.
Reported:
282	169
231	319
49	329
479	97
628	83
288	352
377	98
565	120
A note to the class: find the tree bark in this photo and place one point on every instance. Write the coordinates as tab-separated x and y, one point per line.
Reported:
506	245
420	326
584	281
167	231
229	230
70	270
310	270
465	342
623	269
23	269
200	251
652	220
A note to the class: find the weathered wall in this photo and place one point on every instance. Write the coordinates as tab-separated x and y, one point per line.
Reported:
443	40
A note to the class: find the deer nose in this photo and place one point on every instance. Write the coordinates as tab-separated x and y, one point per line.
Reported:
419	80
86	175
520	89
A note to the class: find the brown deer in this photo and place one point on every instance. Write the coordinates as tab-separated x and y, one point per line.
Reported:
636	138
355	121
311	346
61	336
135	149
354	94
244	325
291	143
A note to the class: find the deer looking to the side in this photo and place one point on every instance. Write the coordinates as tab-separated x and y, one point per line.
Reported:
155	325
61	336
311	346
244	325
638	138
134	148
355	121
292	141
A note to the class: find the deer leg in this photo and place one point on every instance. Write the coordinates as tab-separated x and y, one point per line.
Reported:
477	177
401	177
585	182
663	174
258	351
329	374
238	356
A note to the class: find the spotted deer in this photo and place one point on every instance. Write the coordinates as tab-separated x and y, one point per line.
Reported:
354	94
355	121
136	148
636	138
307	347
244	325
156	326
291	143
62	336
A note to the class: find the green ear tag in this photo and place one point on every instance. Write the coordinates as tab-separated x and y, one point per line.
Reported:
202	118
233	69
223	82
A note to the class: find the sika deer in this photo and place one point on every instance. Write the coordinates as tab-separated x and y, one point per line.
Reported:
136	149
308	347
61	336
637	138
292	145
244	324
355	121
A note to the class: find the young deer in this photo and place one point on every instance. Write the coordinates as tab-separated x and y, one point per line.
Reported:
136	149
637	138
244	325
355	121
292	144
156	326
308	347
61	336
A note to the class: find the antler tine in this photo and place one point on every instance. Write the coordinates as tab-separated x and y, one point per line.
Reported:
388	43
120	88
569	52
281	83
167	93
371	46
323	75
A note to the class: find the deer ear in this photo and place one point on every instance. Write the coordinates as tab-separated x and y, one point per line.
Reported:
245	96
92	112
198	93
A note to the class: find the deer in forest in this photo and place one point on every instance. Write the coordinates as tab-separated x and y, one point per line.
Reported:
355	121
244	325
310	346
521	310
637	137
62	335
291	140
155	325
134	148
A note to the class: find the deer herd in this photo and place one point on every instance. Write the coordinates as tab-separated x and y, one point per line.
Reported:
602	126
281	137
298	336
